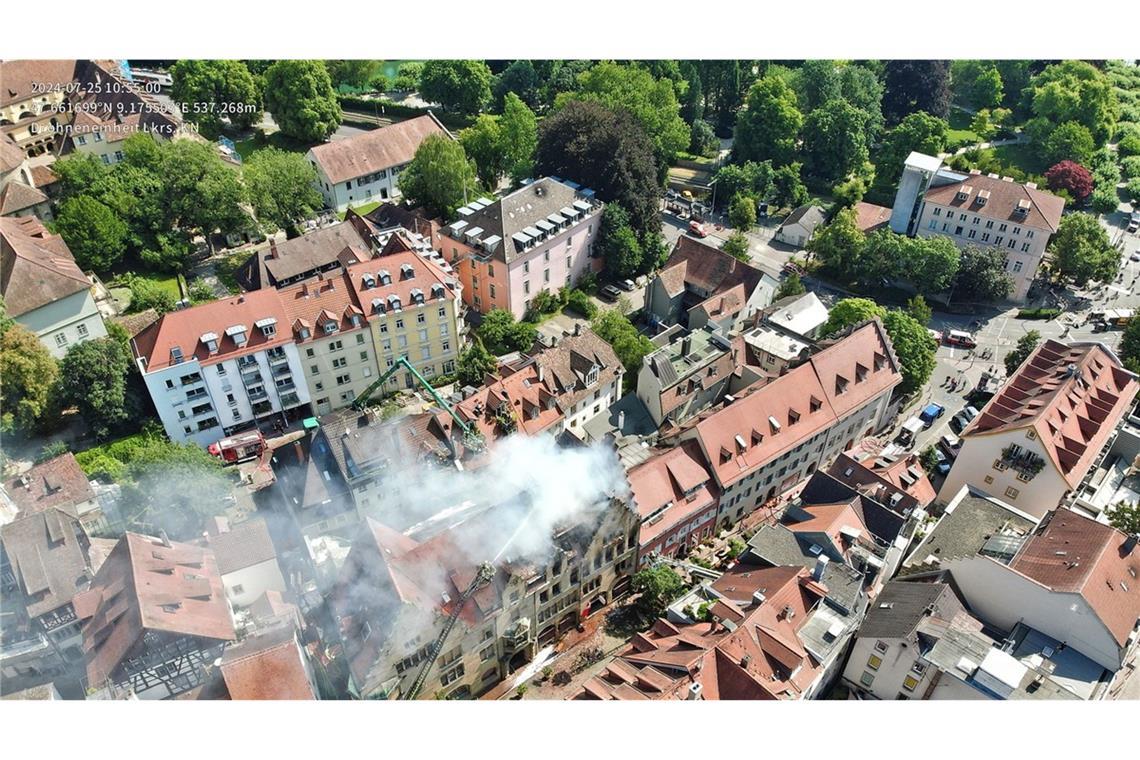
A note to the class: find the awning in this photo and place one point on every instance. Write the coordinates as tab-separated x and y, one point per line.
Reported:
310	423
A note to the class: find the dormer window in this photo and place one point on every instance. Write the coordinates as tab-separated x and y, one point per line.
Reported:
417	296
330	327
368	281
385	277
237	334
394	302
741	446
982	197
592	375
305	333
407	272
437	291
840	384
964	192
774	424
356	320
268	326
860	373
757	438
1022	209
815	404
378	306
793	416
210	341
176	356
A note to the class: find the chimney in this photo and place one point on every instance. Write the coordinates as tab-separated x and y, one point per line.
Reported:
541	374
686	345
241	298
577	328
820	567
621	420
273	249
758	598
694	691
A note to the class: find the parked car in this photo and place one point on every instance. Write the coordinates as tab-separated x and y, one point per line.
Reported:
936	335
963	418
1134	221
1135	255
627	285
960	338
931	413
610	293
951	444
698	229
943	466
909	431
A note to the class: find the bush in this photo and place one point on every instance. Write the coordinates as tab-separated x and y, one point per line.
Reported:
200	292
1105	199
148	294
588	283
51	451
1038	313
1130	167
544	302
580	303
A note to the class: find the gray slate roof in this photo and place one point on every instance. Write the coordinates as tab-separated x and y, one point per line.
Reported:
900	607
523	208
964	531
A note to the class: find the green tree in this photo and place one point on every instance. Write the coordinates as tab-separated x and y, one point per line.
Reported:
1076	91
172	487
518	129
93	233
1025	345
351	72
201	192
501	334
630	345
1082	251
861	88
849	192
917	132
851	311
209	90
840	246
618	243
704	141
788	188
657	587
1070	141
475	363
742	212
408	76
281	187
1125	517
819	82
1130	346
483	143
93	377
519	79
790	286
299	94
28	374
913	346
736	246
929	263
929	459
834	141
982	275
606	150
749	178
916	85
439	177
652	102
461	86
919	309
987	89
769	124
148	294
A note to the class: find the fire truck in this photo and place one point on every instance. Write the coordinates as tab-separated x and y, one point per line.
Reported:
239	448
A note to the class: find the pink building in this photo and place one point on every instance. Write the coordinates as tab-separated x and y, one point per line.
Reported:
540	237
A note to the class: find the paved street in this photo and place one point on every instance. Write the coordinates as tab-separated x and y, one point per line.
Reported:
765	254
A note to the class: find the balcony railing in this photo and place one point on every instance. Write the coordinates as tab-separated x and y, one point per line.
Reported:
1026	463
278	358
290	400
281	370
258	395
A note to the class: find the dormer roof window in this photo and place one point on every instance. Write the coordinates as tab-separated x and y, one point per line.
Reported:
394	302
385	277
592	375
407	272
210	341
417	295
176	356
268	326
437	291
368	281
237	334
378	306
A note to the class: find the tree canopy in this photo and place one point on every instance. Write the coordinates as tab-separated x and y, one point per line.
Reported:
913	346
1076	91
29	373
439	177
769	123
736	246
94	234
501	333
1082	251
208	90
606	150
461	86
618	243
1025	345
918	131
1130	346
475	362
848	312
657	586
1071	177
300	96
742	212
982	275
916	85
281	187
835	141
630	345
93	377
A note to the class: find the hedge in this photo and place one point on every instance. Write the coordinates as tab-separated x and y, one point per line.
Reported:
1038	313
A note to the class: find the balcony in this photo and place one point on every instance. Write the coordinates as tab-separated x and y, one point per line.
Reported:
280	370
258	394
277	358
189	380
262	408
1025	463
286	386
289	400
518	634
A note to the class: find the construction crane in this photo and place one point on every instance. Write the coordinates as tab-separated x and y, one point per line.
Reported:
482	577
472	439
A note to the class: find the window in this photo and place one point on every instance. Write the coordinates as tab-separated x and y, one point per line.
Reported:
526	267
446	346
909	683
1025	247
1012	243
937	211
1029	234
315	370
1003	227
1016	230
945	227
546	275
340	362
61	340
990	224
933	224
360	339
1017	265
999	240
1011	492
492	292
874	661
442	312
383	327
221	370
985	237
958	230
526	286
972	234
336	345
82	330
881	646
423	336
961	217
989	479
363	356
343	379
867	679
421	318
399	324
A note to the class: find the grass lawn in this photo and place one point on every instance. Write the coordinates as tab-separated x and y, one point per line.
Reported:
960	132
168	282
226	270
1023	156
275	140
362	210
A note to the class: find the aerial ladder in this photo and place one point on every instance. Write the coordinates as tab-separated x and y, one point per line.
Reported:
472	439
482	577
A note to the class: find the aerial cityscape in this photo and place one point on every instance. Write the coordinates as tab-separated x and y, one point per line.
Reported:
569	380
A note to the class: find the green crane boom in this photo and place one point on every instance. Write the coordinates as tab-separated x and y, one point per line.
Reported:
472	439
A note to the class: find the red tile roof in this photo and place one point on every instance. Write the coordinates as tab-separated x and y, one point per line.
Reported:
707	269
36	267
1044	208
869	217
1073	397
880	481
382	148
425	275
58	482
267	666
183	329
754	661
147	586
529	400
22	79
1071	553
664	479
778	416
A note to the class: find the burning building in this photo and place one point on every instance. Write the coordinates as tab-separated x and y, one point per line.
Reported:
510	577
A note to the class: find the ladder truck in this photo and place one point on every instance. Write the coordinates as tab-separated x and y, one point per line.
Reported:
472	439
482	577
